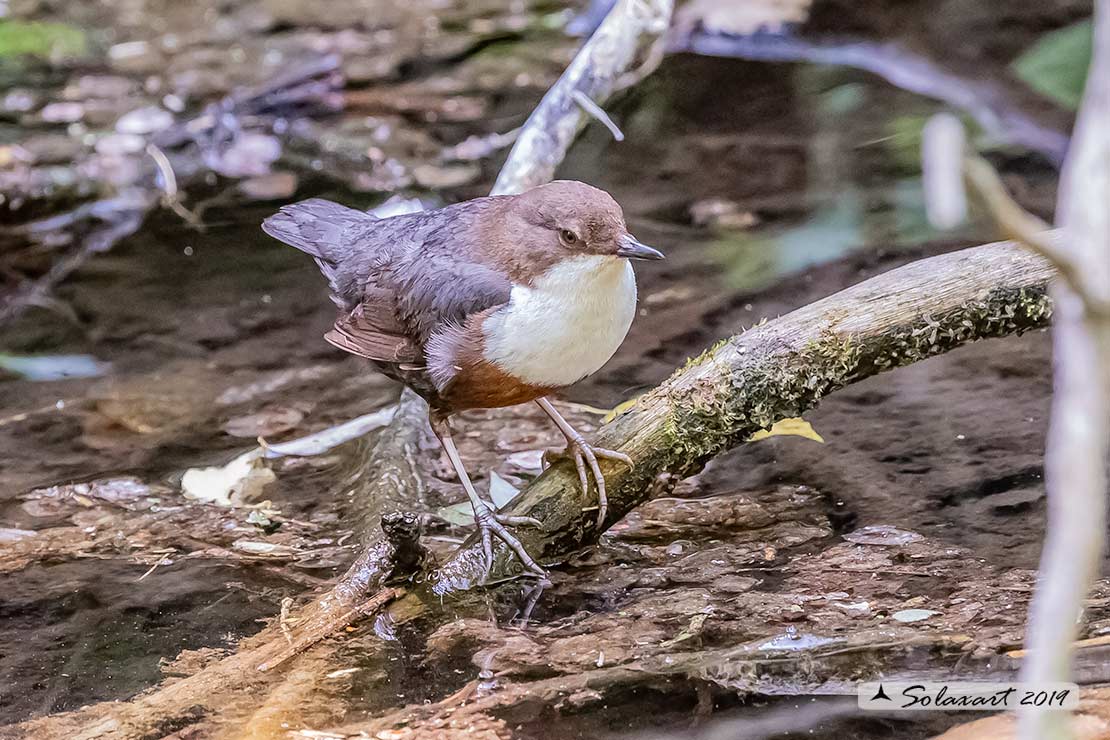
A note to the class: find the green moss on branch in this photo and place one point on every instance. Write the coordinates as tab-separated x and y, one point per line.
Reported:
720	411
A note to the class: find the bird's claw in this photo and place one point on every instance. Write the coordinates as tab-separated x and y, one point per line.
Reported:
491	524
586	458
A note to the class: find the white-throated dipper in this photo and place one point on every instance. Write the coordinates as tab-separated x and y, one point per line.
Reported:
491	302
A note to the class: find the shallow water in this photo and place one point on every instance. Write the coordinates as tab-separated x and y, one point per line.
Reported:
767	185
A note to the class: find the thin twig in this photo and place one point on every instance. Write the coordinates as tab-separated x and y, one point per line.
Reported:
365	608
161	561
170	197
1022	226
169	179
598	113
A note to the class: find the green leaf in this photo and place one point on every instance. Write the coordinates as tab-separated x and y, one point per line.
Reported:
1056	65
47	40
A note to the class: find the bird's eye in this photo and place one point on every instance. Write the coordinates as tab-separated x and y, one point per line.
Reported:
568	237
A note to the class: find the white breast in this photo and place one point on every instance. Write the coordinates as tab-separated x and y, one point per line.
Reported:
567	324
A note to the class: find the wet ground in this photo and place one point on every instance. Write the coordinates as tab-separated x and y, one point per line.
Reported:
767	185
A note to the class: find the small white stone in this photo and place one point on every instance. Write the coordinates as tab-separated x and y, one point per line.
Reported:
128	50
63	112
144	121
120	144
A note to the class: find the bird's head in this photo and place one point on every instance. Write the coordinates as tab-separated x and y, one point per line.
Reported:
565	219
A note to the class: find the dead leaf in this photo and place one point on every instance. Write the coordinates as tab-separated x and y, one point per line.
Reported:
913	615
882	534
460	514
234	484
256	547
501	491
792	427
265	423
619	409
526	460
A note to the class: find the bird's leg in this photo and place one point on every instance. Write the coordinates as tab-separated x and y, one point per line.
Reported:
584	455
489	522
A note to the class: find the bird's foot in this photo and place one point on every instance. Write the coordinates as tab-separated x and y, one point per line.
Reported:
586	458
491	524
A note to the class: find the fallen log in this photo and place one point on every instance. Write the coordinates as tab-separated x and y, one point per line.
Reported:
735	668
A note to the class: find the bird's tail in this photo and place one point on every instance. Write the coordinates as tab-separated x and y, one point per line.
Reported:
328	231
316	226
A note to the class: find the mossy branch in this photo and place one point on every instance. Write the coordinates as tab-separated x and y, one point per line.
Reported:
776	370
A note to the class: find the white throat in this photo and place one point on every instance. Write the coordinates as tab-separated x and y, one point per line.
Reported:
567	324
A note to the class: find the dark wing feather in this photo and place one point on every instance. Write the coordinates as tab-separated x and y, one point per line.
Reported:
360	335
393	325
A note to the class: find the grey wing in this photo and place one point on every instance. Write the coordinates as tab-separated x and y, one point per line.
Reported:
430	295
441	292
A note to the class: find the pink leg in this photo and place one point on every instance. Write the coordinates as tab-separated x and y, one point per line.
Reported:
489	522
585	457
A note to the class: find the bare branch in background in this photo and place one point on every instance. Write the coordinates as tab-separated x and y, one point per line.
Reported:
1079	432
989	104
597	73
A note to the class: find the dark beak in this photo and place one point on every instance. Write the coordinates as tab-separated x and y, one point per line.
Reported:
634	250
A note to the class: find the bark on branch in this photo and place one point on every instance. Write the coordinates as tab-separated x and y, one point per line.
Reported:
777	370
